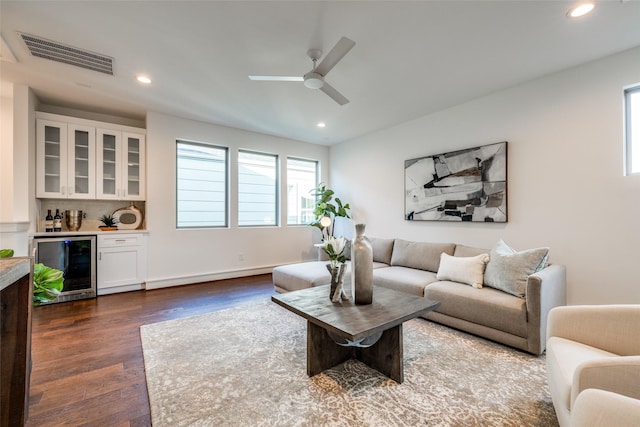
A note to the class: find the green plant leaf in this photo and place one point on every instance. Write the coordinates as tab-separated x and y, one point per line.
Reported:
6	253
47	283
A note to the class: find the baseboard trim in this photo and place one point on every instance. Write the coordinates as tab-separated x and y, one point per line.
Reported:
208	277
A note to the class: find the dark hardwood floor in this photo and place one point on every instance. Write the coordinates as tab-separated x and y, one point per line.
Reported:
88	368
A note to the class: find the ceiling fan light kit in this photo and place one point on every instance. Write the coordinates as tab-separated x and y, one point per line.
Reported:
314	79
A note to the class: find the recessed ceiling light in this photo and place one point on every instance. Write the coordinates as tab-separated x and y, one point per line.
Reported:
321	125
143	79
580	10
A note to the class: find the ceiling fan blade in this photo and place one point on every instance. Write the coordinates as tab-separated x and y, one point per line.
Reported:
341	48
277	78
334	94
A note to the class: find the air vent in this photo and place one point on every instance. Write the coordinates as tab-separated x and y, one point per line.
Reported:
59	52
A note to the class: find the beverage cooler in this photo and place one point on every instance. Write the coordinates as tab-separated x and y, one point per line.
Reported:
75	256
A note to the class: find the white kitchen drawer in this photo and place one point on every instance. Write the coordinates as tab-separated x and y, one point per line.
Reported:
116	240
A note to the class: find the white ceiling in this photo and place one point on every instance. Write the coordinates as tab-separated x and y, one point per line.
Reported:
411	58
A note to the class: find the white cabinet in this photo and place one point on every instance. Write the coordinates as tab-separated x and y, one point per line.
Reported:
85	159
120	165
65	160
122	262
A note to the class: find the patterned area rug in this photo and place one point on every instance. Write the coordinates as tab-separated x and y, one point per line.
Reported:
246	366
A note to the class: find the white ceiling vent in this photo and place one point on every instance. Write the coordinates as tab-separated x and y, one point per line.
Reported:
59	52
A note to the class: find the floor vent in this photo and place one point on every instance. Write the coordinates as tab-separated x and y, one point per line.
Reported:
59	52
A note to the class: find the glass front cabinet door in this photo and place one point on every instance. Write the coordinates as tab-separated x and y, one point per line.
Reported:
81	174
51	159
133	166
120	165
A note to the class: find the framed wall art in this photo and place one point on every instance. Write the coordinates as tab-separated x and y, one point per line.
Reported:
464	185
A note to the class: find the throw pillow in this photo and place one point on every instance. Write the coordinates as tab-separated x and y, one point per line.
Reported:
467	270
508	269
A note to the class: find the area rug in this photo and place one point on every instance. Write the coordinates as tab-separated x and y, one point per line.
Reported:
246	366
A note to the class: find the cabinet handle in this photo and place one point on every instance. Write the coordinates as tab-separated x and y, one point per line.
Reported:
99	256
120	240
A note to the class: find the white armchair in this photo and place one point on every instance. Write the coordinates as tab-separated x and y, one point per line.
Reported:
600	408
593	347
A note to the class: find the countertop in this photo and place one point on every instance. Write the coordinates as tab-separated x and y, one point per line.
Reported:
11	269
85	233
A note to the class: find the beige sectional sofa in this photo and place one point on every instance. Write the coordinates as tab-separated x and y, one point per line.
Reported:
507	301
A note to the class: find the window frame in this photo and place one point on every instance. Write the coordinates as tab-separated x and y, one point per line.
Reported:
316	182
226	184
276	201
631	132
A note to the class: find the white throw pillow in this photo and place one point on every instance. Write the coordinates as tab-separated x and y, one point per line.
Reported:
467	270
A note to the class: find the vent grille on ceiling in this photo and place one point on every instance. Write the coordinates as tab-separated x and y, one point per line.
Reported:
59	52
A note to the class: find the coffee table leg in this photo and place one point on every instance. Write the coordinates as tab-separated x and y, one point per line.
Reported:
322	352
386	356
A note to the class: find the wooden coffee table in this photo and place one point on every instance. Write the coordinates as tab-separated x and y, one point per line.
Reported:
370	333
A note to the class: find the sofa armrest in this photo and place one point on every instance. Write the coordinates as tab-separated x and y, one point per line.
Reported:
617	374
600	408
613	328
546	289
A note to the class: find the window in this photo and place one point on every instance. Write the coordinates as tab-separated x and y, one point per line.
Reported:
257	189
201	188
632	129
302	178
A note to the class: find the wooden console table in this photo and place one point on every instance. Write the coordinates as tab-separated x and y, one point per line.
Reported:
16	301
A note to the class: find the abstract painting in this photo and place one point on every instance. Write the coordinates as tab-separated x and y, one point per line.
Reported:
464	185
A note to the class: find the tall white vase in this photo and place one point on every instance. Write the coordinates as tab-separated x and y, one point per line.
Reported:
362	267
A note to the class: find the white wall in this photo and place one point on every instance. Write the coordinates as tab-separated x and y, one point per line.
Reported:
6	152
17	190
566	187
184	256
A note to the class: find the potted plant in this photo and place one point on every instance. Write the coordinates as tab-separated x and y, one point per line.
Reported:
326	210
109	223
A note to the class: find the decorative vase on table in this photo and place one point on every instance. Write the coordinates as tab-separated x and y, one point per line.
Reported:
336	293
362	267
334	247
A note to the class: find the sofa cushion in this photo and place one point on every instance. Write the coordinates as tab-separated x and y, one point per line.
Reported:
293	277
486	306
420	255
404	279
508	270
382	249
563	358
465	251
467	270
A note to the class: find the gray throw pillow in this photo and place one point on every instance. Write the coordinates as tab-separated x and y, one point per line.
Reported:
508	270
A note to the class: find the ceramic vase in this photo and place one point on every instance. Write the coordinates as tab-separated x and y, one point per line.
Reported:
362	267
336	293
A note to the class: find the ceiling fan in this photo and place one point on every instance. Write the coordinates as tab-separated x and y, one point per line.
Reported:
314	79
